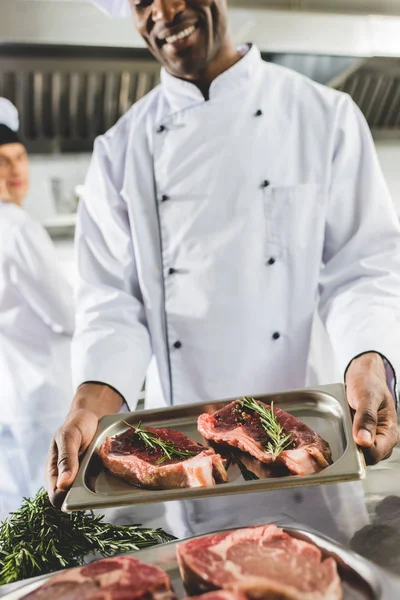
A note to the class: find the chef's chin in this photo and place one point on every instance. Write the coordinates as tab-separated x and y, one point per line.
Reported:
186	66
18	192
187	62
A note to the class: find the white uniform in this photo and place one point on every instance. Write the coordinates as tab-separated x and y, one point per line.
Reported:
36	325
211	231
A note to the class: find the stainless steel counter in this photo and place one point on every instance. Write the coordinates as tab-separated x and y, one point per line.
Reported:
363	516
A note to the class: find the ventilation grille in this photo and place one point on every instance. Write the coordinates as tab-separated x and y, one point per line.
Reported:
64	104
375	87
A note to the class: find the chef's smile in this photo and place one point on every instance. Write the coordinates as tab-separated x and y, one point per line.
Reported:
186	36
181	39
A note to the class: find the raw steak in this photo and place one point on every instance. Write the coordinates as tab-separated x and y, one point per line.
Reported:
240	427
121	578
263	562
127	457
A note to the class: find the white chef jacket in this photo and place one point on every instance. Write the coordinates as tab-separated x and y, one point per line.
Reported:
36	325
210	231
36	321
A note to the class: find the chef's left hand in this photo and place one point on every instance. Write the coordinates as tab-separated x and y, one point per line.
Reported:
375	421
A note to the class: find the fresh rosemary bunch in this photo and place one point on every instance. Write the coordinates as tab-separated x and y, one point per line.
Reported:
150	439
39	539
278	440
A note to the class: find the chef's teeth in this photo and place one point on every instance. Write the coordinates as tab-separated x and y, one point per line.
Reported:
181	35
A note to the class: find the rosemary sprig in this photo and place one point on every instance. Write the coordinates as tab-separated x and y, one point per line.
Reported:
278	440
39	539
150	439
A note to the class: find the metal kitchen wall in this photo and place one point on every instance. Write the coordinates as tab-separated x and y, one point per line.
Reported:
67	96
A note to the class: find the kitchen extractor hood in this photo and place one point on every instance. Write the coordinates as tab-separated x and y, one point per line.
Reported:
72	71
66	96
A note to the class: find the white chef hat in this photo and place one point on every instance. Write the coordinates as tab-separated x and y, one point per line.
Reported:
9	122
118	9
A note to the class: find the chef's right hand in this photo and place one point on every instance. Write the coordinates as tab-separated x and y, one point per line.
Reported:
69	443
92	401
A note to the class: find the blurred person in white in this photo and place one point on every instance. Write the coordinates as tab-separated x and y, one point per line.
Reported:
36	325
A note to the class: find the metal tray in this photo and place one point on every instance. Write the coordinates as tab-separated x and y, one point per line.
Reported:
324	409
361	580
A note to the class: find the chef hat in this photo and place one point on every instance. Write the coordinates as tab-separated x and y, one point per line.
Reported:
9	122
118	9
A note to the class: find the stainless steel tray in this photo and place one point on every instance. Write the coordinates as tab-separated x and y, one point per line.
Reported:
361	580
324	409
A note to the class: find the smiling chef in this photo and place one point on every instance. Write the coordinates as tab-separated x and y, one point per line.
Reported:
223	210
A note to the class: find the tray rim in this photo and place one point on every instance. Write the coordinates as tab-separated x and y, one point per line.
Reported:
349	467
368	572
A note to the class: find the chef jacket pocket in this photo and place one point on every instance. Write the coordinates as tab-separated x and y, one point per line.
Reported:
294	215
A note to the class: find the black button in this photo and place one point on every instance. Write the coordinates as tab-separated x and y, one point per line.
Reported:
265	183
271	261
161	129
178	345
171	271
276	335
164	198
259	113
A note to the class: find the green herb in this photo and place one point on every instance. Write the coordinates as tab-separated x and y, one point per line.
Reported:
39	539
278	440
151	440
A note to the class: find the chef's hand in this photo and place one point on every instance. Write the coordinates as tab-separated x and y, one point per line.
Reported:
4	193
375	420
75	435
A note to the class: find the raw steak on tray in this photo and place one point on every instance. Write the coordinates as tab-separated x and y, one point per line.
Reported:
121	578
161	459
264	563
303	453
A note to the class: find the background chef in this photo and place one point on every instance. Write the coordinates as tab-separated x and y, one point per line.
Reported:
36	325
222	211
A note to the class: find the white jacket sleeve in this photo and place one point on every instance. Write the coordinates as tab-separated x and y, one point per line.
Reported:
360	281
111	343
36	272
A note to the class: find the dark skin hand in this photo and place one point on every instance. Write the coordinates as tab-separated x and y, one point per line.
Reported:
375	426
73	438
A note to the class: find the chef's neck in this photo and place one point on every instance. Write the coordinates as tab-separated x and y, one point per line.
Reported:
227	56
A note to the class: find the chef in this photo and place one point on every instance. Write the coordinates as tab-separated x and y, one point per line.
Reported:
222	211
36	325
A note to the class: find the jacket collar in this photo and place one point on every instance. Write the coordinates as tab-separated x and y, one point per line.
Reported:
182	94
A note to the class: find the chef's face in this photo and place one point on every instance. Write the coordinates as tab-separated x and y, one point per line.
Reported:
183	35
14	171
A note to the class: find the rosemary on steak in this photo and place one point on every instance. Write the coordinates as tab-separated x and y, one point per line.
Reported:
39	539
151	440
278	440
